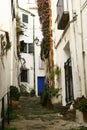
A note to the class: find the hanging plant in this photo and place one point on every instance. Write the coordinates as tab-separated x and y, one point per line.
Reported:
19	31
5	43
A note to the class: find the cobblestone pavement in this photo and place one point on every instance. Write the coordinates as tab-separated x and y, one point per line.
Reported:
32	116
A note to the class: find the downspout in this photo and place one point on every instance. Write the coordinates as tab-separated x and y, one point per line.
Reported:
34	51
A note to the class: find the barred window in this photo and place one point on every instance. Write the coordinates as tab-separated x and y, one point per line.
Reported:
24	75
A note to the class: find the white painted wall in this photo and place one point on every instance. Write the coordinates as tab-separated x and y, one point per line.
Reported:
8	62
4	62
29	57
84	39
73	36
28	39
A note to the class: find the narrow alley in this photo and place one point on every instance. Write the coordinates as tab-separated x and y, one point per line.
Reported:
31	115
43	49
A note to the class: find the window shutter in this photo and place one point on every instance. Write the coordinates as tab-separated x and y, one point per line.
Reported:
25	18
23	47
30	48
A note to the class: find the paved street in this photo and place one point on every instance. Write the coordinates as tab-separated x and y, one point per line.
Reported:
32	116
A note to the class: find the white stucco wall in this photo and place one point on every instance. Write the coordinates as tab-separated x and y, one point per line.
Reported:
62	54
5	62
76	44
8	62
29	57
73	36
84	37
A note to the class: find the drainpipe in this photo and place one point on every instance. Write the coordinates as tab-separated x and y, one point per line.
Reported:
34	51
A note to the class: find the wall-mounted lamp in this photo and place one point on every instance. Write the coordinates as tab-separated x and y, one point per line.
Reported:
36	41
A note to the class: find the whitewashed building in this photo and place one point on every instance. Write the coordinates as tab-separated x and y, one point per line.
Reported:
32	72
69	37
8	50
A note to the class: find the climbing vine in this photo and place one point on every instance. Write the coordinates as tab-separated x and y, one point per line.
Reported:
43	11
45	16
19	31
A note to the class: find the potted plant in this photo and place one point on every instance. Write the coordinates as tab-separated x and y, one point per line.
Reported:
14	96
55	93
81	107
50	96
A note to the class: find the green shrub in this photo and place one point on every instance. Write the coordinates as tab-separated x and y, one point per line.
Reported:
45	97
14	93
22	88
47	94
55	92
82	105
32	93
12	113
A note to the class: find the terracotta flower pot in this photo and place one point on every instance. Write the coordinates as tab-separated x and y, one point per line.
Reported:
15	104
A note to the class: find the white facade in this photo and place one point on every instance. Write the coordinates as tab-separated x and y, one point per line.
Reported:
33	62
69	43
8	61
84	39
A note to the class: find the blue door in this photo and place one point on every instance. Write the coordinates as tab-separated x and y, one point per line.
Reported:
41	84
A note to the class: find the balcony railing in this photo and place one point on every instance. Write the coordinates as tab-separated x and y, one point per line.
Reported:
62	14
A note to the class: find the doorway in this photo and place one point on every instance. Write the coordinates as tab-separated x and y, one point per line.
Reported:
68	81
41	85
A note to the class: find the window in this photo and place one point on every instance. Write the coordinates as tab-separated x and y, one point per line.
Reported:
25	18
24	75
30	48
41	64
23	47
26	47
